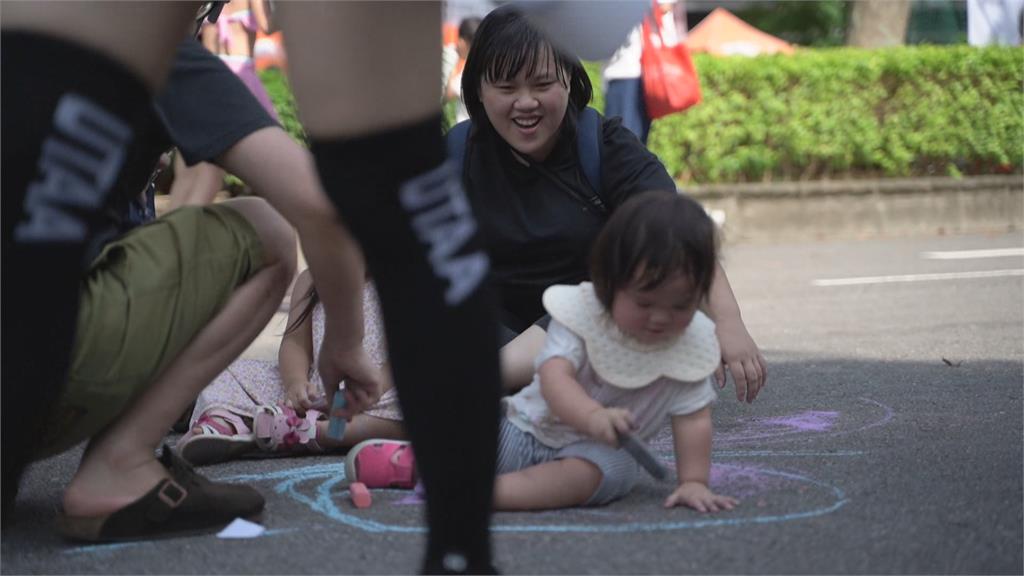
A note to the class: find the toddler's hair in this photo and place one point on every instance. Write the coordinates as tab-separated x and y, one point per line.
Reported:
654	234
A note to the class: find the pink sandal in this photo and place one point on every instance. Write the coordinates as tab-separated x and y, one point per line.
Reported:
281	429
381	464
222	435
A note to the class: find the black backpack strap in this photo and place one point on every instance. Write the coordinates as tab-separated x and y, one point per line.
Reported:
588	144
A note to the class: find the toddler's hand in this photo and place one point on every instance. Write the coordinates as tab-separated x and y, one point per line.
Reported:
699	497
604	424
301	395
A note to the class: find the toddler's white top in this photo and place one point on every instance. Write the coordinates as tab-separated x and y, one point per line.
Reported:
650	404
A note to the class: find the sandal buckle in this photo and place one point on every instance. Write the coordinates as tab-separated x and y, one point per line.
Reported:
173	497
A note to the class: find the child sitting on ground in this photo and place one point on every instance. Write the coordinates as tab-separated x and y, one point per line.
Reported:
621	354
263	408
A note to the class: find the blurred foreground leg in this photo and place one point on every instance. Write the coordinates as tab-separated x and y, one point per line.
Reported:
375	122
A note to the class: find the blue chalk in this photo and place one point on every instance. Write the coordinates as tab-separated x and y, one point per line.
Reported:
336	427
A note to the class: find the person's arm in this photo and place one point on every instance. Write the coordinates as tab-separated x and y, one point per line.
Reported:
517	358
295	355
453	90
691	435
740	354
264	14
281	171
572	405
210	38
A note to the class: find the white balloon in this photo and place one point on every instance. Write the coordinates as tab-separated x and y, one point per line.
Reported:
591	29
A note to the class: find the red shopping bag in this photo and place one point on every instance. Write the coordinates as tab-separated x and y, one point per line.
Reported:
668	74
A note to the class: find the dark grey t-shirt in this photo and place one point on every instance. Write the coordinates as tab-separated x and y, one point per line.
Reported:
204	110
537	232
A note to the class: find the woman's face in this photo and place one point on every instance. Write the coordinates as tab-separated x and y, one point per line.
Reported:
528	112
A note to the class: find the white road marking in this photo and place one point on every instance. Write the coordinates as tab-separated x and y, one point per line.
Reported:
916	277
970	254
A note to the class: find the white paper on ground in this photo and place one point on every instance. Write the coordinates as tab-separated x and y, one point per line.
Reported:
241	528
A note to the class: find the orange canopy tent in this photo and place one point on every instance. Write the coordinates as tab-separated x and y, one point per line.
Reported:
723	34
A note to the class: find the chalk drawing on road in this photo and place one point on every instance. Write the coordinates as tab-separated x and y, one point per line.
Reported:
863	416
769	495
320	488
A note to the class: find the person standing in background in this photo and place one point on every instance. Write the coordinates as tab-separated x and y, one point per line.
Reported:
624	88
453	89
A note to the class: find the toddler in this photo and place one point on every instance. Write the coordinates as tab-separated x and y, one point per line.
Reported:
621	355
260	408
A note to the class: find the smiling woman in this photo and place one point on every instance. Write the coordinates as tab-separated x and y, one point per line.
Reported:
522	169
527	111
523	174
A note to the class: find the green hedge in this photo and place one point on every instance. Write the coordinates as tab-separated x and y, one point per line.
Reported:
276	83
831	113
837	113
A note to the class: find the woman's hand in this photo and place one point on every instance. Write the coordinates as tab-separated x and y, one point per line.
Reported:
742	358
605	424
698	496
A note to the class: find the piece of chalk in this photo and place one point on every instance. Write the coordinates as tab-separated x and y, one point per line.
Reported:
360	495
643	455
336	427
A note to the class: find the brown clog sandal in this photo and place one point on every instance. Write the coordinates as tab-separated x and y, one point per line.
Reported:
186	503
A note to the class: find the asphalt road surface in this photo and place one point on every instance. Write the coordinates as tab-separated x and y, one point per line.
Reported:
889	440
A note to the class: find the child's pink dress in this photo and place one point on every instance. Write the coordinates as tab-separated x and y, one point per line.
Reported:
248	384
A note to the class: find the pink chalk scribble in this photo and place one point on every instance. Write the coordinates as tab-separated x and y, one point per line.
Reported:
809	421
745	481
410	499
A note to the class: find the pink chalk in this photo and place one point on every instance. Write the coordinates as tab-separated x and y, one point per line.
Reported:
360	495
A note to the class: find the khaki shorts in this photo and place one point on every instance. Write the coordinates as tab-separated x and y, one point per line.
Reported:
144	298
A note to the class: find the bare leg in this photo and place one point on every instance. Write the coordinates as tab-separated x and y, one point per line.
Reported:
119	466
135	43
141	35
362	134
397	86
362	427
557	484
194	185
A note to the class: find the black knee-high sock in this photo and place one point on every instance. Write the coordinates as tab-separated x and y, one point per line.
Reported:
68	116
408	210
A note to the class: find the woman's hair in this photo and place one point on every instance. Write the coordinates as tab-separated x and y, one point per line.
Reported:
504	44
651	237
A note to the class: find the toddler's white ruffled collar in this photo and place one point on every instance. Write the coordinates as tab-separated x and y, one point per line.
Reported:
622	360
